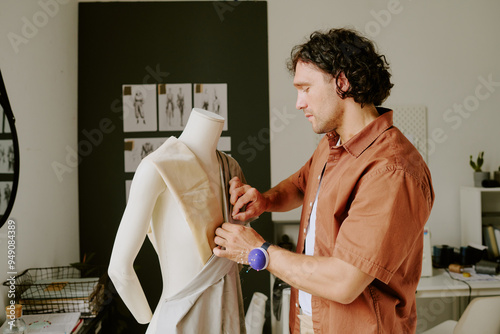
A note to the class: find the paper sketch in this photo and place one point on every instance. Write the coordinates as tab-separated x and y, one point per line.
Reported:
139	108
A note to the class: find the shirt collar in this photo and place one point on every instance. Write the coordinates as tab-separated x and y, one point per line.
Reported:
363	139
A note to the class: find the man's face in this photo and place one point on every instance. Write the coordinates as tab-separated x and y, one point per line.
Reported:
317	97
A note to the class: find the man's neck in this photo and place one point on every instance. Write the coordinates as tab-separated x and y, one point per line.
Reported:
355	119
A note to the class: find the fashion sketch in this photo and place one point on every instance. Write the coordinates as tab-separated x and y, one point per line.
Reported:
5	191
138	105
174	105
180	104
170	106
212	97
137	149
139	108
6	156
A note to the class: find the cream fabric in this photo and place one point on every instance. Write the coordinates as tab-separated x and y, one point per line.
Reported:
208	304
191	187
212	302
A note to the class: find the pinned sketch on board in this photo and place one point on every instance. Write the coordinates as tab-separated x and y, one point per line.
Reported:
5	192
7	157
136	149
139	108
174	106
412	121
212	97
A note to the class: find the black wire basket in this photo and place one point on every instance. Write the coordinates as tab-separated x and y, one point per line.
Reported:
57	290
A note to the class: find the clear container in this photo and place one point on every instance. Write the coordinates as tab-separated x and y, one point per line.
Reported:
14	322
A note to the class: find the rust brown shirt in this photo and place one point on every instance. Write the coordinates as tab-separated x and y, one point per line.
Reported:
375	198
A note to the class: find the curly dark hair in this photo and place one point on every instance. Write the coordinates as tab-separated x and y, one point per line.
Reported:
346	51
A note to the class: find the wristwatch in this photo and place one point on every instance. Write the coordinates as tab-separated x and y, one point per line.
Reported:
258	258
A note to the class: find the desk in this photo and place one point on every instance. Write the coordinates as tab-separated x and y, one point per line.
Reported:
441	298
442	285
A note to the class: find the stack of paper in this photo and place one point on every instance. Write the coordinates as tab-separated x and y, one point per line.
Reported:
60	323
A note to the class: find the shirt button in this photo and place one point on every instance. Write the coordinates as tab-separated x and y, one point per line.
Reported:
305	230
319	176
310	203
296	305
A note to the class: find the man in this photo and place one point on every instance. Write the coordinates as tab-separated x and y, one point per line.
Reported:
366	195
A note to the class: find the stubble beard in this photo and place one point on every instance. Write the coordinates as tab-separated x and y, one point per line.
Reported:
330	126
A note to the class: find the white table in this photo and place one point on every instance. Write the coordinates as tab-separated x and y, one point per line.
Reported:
440	291
442	285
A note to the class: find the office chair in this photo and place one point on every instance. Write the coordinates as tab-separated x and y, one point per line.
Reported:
482	315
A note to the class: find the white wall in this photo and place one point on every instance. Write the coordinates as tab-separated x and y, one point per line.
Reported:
438	51
40	75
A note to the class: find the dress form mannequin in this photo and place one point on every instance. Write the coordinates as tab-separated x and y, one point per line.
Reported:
152	210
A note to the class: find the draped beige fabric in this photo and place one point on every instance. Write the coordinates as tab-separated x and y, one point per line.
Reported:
212	302
189	184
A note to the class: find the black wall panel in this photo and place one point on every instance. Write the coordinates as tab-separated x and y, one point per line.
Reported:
166	42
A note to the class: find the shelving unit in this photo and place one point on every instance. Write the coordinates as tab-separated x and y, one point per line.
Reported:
478	207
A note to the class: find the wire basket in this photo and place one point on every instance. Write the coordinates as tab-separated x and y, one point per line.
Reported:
57	290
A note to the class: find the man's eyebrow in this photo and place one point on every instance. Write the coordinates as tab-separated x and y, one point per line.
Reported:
301	83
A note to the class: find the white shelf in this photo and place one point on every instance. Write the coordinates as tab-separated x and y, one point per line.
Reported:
478	206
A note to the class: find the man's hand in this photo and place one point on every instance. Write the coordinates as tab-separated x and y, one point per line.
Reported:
236	241
243	194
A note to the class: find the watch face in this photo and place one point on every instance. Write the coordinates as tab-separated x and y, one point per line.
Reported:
258	259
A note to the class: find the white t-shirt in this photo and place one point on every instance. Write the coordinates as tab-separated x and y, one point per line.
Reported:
304	297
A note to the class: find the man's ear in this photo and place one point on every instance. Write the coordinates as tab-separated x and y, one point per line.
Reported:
342	82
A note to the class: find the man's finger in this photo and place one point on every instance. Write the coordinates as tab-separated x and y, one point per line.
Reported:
221	232
220	241
242	200
234	183
236	189
219	252
235	194
243	216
